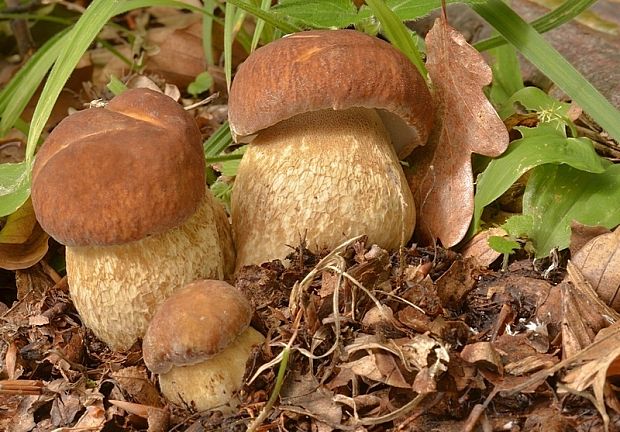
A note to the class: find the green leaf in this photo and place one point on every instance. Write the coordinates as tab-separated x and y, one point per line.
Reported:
538	51
540	145
260	25
201	84
318	13
15	96
518	225
408	10
269	16
14	186
116	86
207	30
560	15
534	99
503	245
398	34
556	195
507	78
230	162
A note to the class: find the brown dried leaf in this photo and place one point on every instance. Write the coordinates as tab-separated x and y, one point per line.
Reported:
478	247
599	261
583	313
595	364
483	354
442	178
24	255
304	395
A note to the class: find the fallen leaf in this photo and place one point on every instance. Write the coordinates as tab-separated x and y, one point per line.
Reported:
599	261
581	234
303	394
24	255
483	354
584	314
479	249
442	179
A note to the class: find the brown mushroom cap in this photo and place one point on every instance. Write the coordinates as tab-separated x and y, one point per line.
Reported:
335	69
118	174
195	324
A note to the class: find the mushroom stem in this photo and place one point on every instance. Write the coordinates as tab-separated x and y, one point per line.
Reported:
210	384
117	300
325	176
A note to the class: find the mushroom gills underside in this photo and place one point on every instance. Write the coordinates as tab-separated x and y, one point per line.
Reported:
324	177
211	384
116	289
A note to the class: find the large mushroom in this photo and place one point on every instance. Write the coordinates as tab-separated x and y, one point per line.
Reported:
328	114
123	187
199	342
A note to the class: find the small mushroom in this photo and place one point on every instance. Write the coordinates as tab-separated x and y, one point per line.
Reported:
328	114
199	342
123	187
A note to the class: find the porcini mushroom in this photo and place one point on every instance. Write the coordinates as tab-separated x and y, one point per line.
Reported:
199	341
328	114
123	187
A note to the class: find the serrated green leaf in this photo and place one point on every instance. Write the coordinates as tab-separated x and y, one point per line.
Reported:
201	84
503	245
534	99
318	13
518	225
540	145
556	195
408	10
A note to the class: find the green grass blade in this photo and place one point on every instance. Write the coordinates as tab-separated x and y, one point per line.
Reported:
229	25
207	30
397	33
75	45
260	25
558	16
218	142
538	51
18	92
129	5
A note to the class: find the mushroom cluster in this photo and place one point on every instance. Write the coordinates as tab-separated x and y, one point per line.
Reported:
123	187
199	341
328	114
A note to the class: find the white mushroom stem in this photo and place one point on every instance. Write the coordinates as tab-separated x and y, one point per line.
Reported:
325	176
116	289
211	384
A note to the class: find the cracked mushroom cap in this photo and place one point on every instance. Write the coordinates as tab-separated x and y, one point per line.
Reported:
331	69
117	174
198	322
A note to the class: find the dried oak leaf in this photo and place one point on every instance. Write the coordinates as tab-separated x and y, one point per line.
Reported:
441	179
599	261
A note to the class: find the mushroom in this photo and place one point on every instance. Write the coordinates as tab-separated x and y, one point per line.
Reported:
199	341
123	187
328	114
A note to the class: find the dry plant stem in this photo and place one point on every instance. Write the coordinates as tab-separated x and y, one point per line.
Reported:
283	359
21	387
